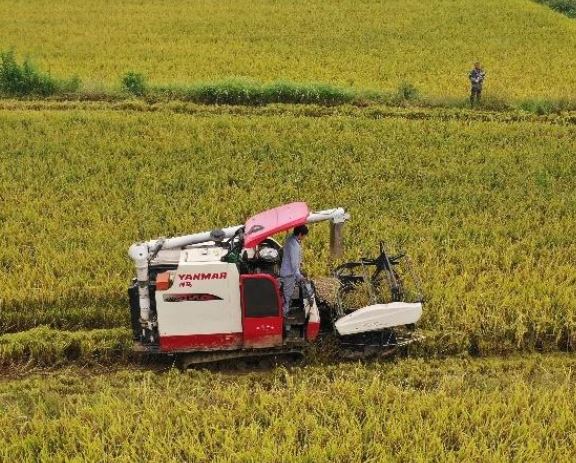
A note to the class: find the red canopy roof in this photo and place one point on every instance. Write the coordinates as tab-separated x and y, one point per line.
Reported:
267	223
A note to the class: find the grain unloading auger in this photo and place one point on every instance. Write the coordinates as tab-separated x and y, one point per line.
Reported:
216	295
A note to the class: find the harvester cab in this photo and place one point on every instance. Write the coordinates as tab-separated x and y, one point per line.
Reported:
217	295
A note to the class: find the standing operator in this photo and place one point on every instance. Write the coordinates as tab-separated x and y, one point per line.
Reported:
476	76
290	273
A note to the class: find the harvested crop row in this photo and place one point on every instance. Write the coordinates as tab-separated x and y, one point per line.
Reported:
371	112
490	410
46	347
482	207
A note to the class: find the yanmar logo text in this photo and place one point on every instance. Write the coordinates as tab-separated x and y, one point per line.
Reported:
202	276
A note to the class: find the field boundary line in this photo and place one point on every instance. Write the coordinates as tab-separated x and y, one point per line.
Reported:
290	110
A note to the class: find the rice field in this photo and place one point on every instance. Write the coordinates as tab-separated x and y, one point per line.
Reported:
489	410
370	44
483	208
482	200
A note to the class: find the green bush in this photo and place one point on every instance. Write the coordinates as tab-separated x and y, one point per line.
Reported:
324	94
134	83
567	7
542	107
407	92
25	79
231	91
539	107
238	91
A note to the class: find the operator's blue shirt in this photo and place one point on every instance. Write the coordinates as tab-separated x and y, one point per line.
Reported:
291	258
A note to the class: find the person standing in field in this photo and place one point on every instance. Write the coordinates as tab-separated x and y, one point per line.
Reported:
476	76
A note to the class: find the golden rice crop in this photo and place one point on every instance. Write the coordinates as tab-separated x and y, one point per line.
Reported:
47	347
378	44
485	410
484	208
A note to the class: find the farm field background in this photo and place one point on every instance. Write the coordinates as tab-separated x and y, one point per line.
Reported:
482	207
525	46
489	410
483	202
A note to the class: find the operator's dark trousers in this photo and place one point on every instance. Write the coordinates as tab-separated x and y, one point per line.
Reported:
288	287
475	95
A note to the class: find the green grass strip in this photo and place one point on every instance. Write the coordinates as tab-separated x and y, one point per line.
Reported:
566	7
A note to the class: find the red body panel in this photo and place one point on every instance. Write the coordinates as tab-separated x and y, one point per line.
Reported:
267	223
312	330
216	341
260	332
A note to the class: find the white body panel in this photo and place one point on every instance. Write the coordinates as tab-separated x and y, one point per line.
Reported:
199	274
311	309
379	316
313	313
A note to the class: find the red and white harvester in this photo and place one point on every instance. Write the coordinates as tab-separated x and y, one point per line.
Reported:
216	295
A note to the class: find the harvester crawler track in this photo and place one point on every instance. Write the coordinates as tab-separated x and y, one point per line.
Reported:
260	357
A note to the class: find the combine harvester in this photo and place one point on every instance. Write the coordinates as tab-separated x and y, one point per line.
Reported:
216	295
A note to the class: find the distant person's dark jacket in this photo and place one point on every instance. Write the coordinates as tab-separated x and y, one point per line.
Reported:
476	77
